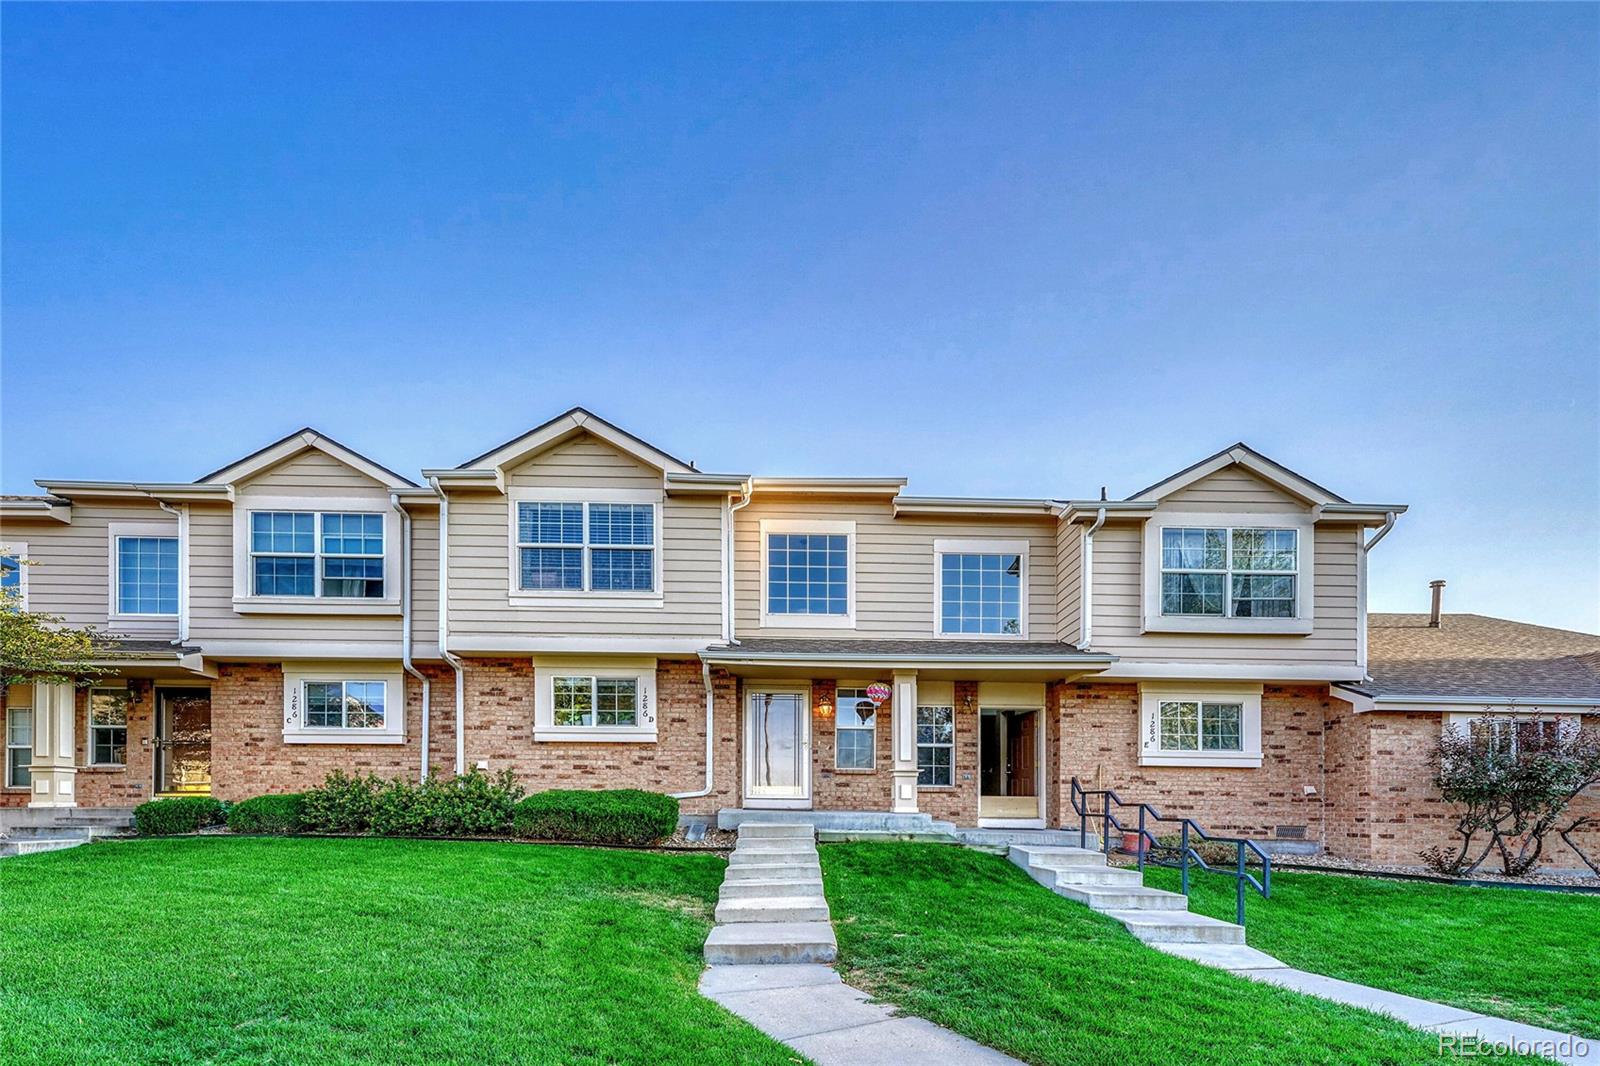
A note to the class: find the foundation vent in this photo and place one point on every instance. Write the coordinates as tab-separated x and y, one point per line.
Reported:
1290	832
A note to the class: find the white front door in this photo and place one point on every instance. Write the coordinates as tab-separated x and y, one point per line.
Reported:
777	747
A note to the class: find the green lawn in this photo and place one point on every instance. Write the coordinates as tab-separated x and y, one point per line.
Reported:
1530	956
234	950
967	940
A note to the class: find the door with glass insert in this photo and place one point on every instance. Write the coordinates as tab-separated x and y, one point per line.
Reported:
777	739
183	744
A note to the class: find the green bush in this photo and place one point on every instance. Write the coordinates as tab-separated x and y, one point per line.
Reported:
470	804
179	814
280	813
618	816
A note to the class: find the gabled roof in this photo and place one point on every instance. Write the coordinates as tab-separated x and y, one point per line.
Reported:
295	443
1241	454
577	420
1472	656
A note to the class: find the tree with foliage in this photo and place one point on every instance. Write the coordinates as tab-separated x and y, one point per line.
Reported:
1512	780
42	648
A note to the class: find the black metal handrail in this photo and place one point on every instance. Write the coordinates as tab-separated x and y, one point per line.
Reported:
1189	833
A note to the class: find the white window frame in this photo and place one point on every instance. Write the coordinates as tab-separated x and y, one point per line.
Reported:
1567	724
14	705
115	533
810	621
981	546
90	729
19	550
297	675
1301	624
838	727
917	746
586	598
245	601
642	671
1153	694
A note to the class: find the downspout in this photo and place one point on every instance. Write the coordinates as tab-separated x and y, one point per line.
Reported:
745	495
182	515
1361	577
405	626
727	629
444	626
1088	580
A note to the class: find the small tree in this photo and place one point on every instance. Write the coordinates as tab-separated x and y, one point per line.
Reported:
1512	780
37	647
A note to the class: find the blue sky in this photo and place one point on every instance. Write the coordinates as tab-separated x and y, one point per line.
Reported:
1027	251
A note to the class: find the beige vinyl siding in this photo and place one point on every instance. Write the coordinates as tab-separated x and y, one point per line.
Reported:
425	578
1069	581
70	573
1233	488
480	555
894	566
311	473
584	462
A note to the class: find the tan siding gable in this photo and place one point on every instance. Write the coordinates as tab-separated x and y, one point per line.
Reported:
1069	582
311	473
1233	488
584	462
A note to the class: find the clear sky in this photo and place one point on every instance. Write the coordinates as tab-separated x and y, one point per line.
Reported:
1003	251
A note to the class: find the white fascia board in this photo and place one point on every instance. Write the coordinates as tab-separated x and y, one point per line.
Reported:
1321	672
1519	704
912	661
36	509
1374	514
500	644
161	490
973	507
716	484
1088	511
830	486
233	650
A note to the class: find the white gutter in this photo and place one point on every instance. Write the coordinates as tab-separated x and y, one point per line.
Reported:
405	627
1087	610
182	514
1388	524
444	626
1487	701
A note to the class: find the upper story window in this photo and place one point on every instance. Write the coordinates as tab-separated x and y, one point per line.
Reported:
1229	572
585	546
14	575
147	575
980	587
855	730
333	554
808	574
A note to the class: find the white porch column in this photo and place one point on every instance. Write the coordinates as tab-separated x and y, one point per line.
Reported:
904	770
54	759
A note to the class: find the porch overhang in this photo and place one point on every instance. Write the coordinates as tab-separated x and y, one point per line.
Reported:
931	659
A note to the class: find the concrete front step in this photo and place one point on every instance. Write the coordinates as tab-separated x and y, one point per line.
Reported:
999	840
1120	898
1025	855
773	871
736	818
33	845
778	830
841	836
774	909
765	887
1178	927
771	942
43	832
746	856
1109	876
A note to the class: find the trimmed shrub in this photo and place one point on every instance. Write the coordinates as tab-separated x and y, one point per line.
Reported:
278	813
470	804
179	814
617	816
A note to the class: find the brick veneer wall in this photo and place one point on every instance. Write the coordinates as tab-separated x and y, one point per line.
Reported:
1099	744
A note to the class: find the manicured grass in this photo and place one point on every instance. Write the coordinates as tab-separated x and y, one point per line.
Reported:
1529	956
258	950
968	941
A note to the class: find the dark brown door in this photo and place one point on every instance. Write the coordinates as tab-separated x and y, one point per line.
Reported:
183	757
1022	751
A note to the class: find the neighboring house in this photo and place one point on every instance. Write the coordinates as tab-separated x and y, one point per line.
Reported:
586	610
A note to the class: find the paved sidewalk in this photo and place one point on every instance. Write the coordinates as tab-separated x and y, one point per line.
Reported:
1420	1013
832	1023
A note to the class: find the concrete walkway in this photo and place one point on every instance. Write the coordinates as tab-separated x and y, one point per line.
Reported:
773	937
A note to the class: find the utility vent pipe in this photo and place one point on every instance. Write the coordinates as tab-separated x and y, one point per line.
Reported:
1438	603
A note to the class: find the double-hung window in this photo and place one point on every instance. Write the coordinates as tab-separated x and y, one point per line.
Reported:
586	546
936	746
346	704
1223	572
331	554
147	575
19	741
108	726
855	730
980	587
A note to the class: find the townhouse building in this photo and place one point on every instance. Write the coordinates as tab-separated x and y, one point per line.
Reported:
584	609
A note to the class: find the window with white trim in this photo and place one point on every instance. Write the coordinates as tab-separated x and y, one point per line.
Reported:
980	593
19	745
594	700
147	575
14	576
600	702
936	746
1516	736
585	546
108	727
855	730
328	554
345	704
1230	572
1201	725
808	574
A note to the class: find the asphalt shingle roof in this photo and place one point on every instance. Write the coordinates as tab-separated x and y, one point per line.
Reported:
1471	655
